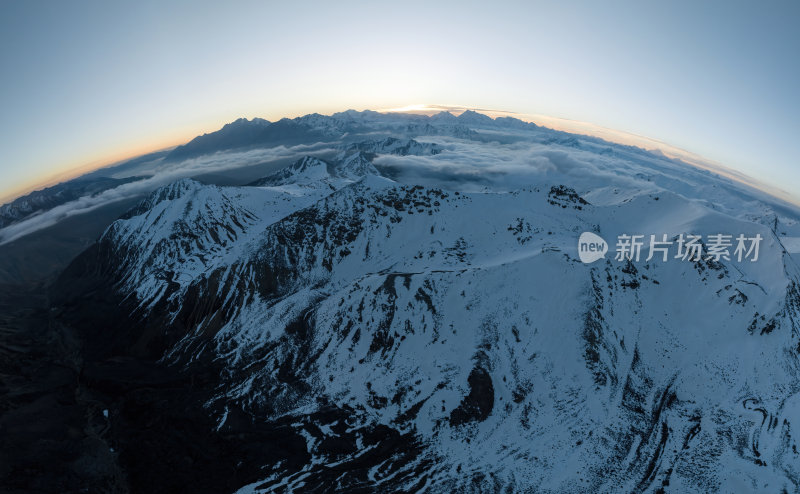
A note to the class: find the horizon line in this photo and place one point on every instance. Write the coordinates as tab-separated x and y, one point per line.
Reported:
571	126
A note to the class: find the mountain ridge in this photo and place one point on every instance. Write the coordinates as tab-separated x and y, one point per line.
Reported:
364	304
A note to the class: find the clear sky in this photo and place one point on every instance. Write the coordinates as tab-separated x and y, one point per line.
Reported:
84	83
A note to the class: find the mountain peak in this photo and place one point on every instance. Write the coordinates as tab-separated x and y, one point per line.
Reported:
444	117
242	122
474	117
306	170
355	166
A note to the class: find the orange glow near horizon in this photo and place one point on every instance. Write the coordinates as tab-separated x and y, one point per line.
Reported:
104	159
87	165
109	157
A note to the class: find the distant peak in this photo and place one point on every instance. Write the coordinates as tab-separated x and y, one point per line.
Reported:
242	122
355	166
444	116
305	168
473	116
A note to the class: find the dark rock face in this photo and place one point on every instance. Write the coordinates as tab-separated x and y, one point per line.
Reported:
50	433
561	195
477	405
158	435
150	422
155	430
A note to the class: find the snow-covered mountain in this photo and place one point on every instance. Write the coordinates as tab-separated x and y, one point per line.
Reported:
412	315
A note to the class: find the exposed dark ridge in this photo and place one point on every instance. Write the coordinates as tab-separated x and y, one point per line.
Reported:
244	133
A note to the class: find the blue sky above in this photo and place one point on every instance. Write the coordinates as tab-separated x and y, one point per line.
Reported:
85	83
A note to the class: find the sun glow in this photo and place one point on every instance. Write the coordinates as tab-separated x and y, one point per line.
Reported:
422	109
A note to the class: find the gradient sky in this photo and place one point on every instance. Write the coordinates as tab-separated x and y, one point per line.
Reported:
86	83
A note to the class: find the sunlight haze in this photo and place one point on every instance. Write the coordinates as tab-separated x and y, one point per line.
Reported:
89	83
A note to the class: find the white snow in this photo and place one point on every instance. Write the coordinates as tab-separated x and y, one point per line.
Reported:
438	280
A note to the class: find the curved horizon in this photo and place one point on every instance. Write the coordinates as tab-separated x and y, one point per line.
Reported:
571	126
91	83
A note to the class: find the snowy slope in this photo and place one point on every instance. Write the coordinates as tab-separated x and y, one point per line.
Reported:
437	329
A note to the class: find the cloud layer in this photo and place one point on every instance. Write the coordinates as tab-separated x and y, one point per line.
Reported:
603	172
170	172
507	166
